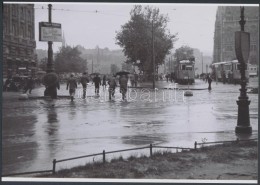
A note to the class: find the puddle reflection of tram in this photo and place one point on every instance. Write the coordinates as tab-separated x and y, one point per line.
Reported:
228	71
184	72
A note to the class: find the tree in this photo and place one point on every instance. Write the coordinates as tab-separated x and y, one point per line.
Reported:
127	67
43	64
135	37
68	60
184	53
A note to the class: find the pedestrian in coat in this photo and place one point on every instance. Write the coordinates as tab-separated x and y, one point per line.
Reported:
71	86
29	85
123	86
97	82
209	82
112	87
84	81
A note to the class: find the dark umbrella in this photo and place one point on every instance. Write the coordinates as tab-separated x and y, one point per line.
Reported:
122	73
94	74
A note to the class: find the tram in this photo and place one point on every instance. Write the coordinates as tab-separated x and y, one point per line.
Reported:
185	72
228	71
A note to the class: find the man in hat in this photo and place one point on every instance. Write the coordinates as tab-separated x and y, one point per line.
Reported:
84	80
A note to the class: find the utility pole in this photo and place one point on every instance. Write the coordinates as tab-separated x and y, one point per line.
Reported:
153	56
51	79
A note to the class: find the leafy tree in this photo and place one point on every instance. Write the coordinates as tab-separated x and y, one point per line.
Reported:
68	59
184	53
127	67
43	64
135	37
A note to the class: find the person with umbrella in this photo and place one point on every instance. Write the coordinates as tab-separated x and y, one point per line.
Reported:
29	85
84	80
123	86
97	82
71	85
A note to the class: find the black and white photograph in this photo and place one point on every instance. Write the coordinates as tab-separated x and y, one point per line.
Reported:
130	92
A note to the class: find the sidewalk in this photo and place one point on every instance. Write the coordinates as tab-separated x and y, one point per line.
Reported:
198	85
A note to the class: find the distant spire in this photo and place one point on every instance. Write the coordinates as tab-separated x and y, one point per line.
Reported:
63	40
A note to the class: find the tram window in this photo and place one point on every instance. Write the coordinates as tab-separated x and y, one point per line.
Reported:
183	67
238	67
227	67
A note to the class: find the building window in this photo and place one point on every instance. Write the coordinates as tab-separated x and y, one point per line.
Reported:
253	47
14	28
29	16
29	32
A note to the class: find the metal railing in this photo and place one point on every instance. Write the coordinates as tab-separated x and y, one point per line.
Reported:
103	154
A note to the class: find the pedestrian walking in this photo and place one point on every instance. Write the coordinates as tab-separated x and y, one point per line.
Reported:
132	80
172	76
97	82
84	81
72	85
209	81
104	82
123	86
7	84
167	77
224	77
29	84
135	79
112	87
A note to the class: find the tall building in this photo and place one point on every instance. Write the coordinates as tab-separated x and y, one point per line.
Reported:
227	23
19	44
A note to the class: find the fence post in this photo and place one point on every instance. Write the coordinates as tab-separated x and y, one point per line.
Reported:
104	156
54	166
195	145
151	150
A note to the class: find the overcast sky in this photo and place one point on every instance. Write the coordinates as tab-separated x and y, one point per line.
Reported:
92	24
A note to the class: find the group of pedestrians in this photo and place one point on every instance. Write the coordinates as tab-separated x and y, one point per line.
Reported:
84	80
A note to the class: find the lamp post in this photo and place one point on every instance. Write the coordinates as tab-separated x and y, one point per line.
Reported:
50	80
242	46
50	51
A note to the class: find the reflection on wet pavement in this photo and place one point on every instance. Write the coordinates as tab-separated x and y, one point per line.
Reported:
35	132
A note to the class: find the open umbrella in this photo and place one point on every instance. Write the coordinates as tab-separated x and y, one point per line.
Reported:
122	73
94	74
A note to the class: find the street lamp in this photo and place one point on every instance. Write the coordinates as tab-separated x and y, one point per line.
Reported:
242	47
50	80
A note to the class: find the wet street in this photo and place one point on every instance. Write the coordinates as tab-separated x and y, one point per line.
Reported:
34	132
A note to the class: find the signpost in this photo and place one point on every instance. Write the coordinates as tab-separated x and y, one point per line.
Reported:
50	32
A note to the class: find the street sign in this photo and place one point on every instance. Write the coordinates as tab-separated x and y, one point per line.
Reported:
242	46
50	32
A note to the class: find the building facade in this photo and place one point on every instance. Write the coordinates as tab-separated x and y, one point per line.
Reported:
227	23
19	56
